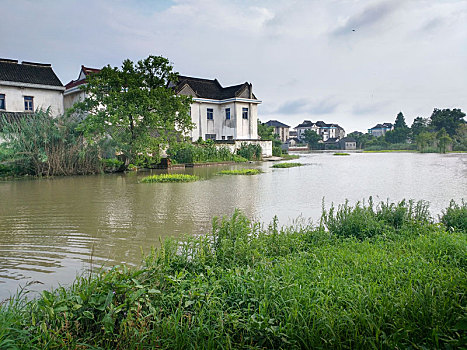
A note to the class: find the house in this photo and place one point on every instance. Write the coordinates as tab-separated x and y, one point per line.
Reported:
380	129
326	131
280	129
73	92
348	143
28	86
220	113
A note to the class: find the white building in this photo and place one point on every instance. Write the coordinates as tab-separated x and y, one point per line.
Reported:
73	92
280	129
326	131
220	113
29	86
380	129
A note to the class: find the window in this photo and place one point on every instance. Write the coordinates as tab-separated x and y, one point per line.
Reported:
210	114
223	137
229	137
227	113
210	137
2	101
245	113
28	103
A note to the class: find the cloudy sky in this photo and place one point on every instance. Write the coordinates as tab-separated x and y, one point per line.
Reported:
352	62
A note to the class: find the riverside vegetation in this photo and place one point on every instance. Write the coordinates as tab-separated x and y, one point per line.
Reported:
286	165
170	178
384	276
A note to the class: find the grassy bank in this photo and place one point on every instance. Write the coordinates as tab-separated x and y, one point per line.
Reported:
367	277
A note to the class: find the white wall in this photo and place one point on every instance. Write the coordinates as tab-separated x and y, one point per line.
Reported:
71	98
43	98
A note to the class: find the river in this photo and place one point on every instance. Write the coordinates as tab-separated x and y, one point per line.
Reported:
51	230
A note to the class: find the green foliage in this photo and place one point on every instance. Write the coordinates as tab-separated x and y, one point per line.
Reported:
250	151
45	146
455	216
290	156
202	152
312	139
134	107
111	164
460	138
443	140
240	172
448	119
286	165
170	178
246	286
265	132
341	154
399	123
419	125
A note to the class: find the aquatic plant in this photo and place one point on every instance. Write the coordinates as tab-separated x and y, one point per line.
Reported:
286	165
240	172
170	178
341	154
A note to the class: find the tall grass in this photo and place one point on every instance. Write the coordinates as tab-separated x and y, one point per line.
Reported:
400	284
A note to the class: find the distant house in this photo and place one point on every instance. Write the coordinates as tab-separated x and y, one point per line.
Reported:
326	131
380	129
220	113
280	129
73	92
348	143
28	86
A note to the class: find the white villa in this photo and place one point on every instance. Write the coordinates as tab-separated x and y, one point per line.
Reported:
220	113
326	131
27	86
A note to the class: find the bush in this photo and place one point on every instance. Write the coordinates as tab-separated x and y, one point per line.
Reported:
170	178
250	151
455	216
199	153
286	165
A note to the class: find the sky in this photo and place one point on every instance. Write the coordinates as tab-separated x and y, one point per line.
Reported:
352	62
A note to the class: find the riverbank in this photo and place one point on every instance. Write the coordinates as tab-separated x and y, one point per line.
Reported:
385	277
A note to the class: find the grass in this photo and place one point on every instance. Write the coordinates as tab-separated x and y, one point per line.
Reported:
290	156
341	154
286	165
240	172
367	277
170	178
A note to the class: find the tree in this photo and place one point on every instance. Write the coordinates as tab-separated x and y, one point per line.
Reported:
400	122
361	138
448	119
135	107
401	131
460	138
267	133
424	140
419	125
311	138
443	140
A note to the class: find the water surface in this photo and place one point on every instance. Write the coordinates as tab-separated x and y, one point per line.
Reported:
51	229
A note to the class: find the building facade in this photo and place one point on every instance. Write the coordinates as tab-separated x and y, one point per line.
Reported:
73	92
220	113
280	129
326	131
380	129
28	86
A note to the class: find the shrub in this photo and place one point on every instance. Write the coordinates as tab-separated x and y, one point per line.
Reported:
455	216
250	151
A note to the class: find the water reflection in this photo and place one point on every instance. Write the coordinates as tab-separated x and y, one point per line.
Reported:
50	229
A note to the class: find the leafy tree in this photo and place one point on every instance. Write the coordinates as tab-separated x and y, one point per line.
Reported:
460	139
448	119
401	131
134	106
419	125
361	138
424	140
443	140
265	132
311	138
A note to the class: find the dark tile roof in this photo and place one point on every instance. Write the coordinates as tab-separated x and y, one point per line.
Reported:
348	139
276	124
86	71
305	124
211	89
382	126
28	72
332	140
